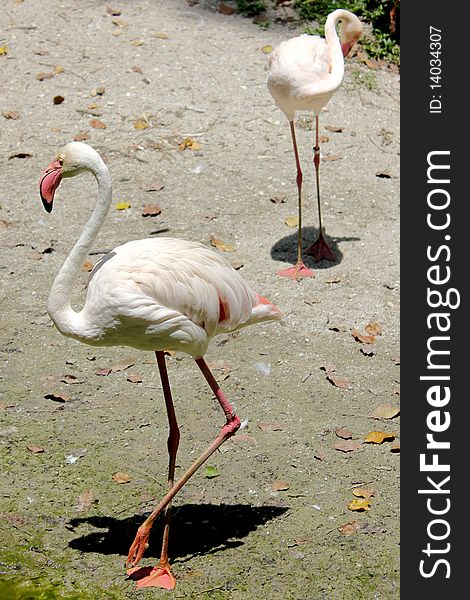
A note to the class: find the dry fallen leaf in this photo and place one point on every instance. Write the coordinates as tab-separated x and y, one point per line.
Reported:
122	366
85	501
44	75
103	372
114	12
87	266
58	99
349	528
97	124
361	492
14	115
141	124
367	350
135	378
270	426
35	449
378	437
58	70
121	477
69	379
359	504
278	199
3	50
220	245
345	434
189	144
122	205
333	128
385	411
137	43
333	279
292	221
395	448
267	49
383	174
161	35
280	486
151	210
335	379
20	155
360	337
81	137
347	446
373	328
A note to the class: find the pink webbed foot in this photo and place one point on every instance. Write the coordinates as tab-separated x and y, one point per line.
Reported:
298	271
159	576
320	250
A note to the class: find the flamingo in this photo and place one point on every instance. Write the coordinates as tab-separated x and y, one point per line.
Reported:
150	294
304	73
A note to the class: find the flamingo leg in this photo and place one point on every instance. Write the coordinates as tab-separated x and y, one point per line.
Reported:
299	270
231	426
319	249
161	575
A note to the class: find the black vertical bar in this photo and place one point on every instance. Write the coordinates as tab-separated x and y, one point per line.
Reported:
434	314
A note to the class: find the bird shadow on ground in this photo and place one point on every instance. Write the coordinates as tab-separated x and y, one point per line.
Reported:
285	249
195	529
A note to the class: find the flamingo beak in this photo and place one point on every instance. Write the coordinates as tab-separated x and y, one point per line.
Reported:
49	182
346	47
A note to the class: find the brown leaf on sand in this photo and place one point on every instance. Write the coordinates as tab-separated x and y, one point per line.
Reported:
280	486
395	448
360	337
151	210
97	124
220	245
85	501
121	477
333	128
190	144
349	528
14	115
44	75
385	411
122	366
134	378
81	137
361	492
270	426
347	446
103	372
378	437
335	379
35	449
373	328
87	266
58	99
343	433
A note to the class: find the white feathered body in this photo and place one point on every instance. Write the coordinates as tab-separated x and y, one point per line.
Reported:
164	294
304	72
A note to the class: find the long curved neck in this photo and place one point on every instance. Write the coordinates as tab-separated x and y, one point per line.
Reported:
58	304
334	45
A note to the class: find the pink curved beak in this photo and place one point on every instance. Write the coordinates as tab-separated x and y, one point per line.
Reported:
49	182
346	47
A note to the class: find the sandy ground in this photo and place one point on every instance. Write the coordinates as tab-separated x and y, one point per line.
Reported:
275	521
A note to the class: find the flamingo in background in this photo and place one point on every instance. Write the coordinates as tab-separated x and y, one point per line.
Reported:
304	73
151	294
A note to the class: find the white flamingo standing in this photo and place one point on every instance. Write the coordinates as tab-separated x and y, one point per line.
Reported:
304	73
151	294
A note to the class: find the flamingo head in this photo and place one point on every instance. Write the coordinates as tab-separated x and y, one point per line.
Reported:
73	159
350	31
